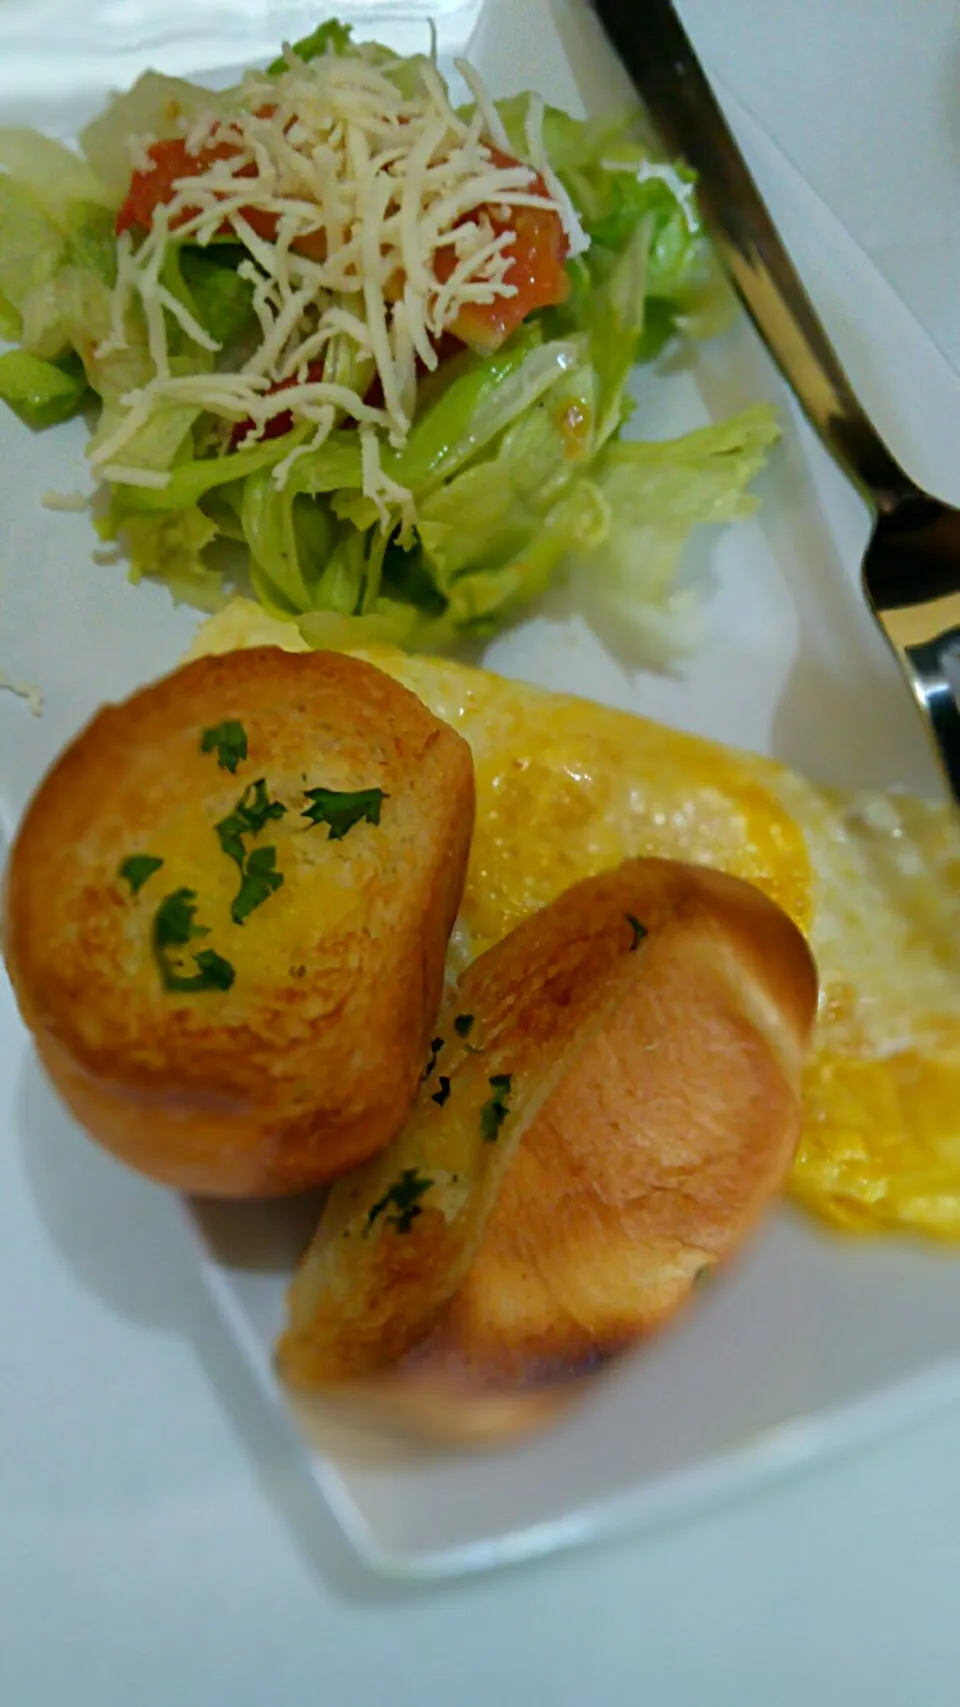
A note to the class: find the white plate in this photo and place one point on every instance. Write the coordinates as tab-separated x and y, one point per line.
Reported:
48	54
811	1343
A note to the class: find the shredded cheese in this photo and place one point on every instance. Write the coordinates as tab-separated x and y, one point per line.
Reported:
682	189
345	184
150	478
377	485
492	122
27	691
139	151
66	503
576	236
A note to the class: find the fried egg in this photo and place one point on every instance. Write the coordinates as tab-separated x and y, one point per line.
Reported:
566	788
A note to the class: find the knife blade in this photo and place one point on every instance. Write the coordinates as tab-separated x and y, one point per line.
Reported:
653	45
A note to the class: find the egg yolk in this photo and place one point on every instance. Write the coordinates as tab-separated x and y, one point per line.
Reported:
566	789
881	1142
555	811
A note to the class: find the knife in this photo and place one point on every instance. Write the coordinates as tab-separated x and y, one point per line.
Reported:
911	568
657	53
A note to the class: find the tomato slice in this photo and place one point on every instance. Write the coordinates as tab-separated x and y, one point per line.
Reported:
171	164
537	255
156	186
278	424
537	268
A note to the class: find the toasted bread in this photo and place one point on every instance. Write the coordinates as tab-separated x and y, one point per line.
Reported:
613	1116
309	1061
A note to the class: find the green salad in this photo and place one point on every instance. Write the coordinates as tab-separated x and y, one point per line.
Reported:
371	347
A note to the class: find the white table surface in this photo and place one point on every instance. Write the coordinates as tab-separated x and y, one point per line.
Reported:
159	1548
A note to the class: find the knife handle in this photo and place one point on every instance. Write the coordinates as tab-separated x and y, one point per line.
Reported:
655	49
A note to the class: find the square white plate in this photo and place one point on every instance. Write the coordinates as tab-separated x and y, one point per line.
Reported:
811	1343
48	52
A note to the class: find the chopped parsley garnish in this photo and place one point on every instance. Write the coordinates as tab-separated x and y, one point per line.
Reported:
443	1094
342	811
257	809
639	931
174	927
259	877
260	880
463	1025
174	924
494	1112
230	833
213	973
252	813
229	742
137	869
403	1197
703	1274
435	1047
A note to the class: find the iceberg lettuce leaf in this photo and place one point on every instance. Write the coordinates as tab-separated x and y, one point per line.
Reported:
657	494
154	107
41	393
52	324
170	548
54	174
331	37
192	479
11	321
488	514
578	522
32	244
290	538
221	300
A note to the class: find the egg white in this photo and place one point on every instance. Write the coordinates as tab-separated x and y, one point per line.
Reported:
566	789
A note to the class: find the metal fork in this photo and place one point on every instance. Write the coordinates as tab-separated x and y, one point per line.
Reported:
911	567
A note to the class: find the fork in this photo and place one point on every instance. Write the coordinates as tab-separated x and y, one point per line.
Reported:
911	566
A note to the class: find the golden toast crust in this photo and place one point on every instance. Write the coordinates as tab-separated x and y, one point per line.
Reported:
653	1023
310	1062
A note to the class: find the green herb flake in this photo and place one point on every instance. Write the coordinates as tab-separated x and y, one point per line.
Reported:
704	1274
230	833
260	880
435	1047
215	973
639	932
259	876
252	813
442	1096
342	811
463	1025
138	869
403	1198
174	924
256	810
494	1112
174	927
229	742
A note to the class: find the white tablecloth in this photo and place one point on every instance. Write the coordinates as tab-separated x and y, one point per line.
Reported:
158	1548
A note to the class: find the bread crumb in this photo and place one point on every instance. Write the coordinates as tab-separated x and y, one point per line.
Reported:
68	502
27	691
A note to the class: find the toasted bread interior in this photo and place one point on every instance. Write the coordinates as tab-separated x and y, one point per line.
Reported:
309	1059
647	1033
